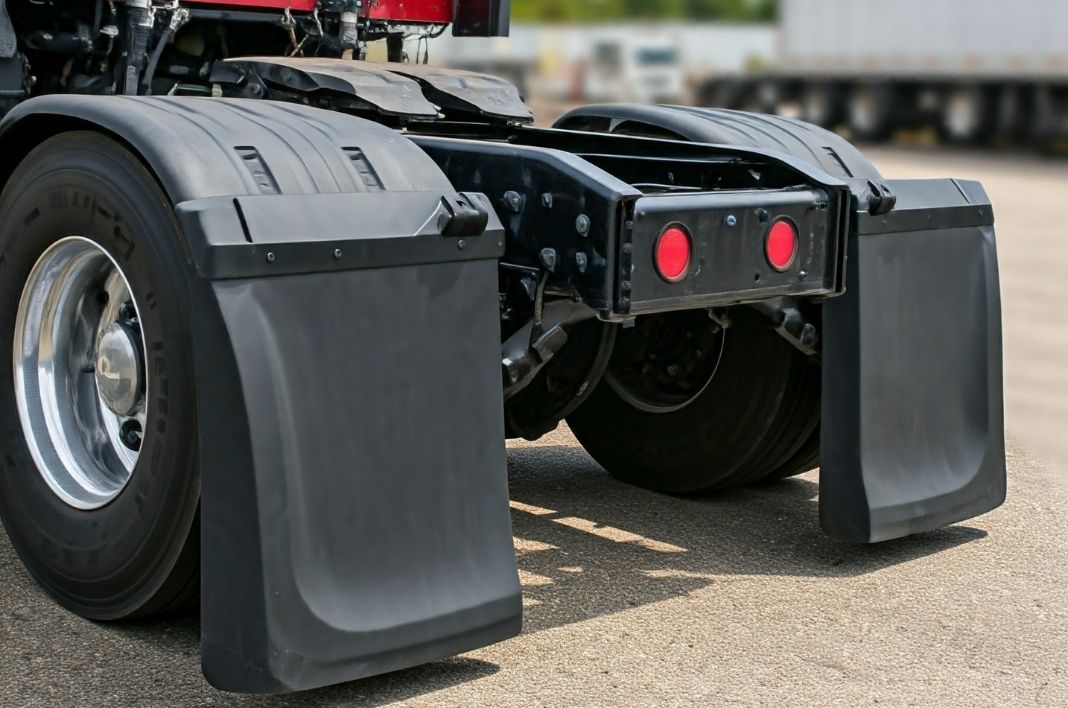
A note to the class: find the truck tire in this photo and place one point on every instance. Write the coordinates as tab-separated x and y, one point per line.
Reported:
99	488
870	111
752	416
767	415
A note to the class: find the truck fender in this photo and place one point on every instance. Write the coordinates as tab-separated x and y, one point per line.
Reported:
354	510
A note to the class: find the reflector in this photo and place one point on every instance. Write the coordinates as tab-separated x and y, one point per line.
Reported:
672	256
780	246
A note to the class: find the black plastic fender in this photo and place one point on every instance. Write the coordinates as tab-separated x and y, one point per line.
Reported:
803	141
354	512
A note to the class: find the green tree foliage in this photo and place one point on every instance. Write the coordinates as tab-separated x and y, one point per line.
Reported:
615	10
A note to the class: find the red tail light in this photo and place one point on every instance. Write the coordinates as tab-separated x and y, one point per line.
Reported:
780	245
674	249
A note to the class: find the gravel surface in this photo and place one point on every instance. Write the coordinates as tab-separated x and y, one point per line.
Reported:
638	599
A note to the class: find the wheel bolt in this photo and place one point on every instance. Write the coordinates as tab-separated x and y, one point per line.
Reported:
131	434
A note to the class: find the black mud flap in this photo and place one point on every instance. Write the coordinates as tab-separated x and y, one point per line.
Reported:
8	38
913	429
355	514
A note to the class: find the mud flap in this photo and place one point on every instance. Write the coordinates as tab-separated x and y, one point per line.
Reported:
354	511
8	38
913	429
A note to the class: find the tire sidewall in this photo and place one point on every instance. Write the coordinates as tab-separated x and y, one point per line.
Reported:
107	562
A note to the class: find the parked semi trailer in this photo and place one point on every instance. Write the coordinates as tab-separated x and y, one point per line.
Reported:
272	311
974	70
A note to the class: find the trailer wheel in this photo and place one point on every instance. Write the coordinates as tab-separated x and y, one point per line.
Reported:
870	111
966	115
99	488
686	408
821	104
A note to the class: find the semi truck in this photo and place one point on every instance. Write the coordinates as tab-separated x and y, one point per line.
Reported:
270	311
972	70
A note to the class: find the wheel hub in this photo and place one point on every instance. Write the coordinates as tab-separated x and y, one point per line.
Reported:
80	375
118	368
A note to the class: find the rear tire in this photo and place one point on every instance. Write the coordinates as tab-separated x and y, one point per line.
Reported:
134	550
752	420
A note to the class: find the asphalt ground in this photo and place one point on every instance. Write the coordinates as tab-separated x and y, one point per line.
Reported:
635	599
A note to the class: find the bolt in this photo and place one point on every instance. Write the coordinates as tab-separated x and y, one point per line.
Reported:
511	369
270	256
672	369
628	248
547	200
513	200
731	221
803	274
581	261
337	254
625	286
548	259
762	216
582	225
461	244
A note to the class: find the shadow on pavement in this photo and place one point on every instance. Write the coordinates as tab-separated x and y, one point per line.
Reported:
589	545
178	637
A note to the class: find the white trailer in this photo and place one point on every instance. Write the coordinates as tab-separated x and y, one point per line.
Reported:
974	69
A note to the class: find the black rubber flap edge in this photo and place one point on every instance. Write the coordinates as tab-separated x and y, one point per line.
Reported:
913	425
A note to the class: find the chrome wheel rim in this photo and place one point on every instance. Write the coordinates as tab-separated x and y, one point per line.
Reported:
80	374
